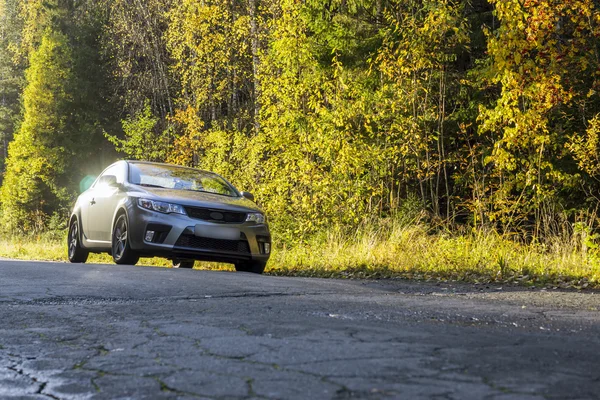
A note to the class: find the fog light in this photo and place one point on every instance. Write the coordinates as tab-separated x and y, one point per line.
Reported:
149	236
267	247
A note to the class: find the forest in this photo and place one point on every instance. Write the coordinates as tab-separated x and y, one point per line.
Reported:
462	116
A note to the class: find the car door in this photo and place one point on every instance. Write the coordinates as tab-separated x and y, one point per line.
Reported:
85	203
103	201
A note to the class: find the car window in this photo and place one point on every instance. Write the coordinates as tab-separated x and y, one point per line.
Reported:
180	178
119	170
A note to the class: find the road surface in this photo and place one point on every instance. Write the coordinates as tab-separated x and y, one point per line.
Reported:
107	331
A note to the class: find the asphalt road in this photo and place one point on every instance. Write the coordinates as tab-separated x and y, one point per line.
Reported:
106	331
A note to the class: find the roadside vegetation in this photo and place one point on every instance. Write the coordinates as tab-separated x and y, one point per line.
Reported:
446	139
412	252
396	250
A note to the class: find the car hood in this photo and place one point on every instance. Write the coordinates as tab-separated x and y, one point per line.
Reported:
197	199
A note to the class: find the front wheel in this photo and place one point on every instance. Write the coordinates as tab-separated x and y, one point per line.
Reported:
77	254
256	267
122	252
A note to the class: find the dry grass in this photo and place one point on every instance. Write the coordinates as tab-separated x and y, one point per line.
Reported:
400	251
54	248
410	252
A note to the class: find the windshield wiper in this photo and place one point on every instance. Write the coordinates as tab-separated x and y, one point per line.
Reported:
150	185
206	191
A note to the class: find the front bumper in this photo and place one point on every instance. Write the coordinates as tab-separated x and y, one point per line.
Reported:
180	236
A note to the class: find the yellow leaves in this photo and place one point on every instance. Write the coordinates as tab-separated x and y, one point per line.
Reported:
537	52
586	147
517	57
425	40
348	109
207	42
189	141
189	118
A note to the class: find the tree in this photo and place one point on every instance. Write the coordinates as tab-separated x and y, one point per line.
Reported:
11	75
59	137
140	141
215	52
37	176
544	57
134	51
422	41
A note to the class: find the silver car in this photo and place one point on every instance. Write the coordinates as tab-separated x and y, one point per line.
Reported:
137	208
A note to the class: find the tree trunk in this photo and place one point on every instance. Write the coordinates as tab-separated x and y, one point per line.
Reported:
253	6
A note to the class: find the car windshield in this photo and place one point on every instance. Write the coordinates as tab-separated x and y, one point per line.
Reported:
180	178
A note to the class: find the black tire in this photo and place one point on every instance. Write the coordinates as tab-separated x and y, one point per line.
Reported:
121	251
76	253
178	263
256	267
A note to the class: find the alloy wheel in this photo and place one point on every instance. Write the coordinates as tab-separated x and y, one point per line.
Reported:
73	238
120	238
75	251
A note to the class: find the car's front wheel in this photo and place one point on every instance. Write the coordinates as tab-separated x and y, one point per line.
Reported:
256	267
77	254
122	252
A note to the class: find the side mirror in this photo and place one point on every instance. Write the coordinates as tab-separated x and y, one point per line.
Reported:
248	195
109	180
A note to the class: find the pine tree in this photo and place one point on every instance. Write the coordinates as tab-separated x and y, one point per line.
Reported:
37	175
60	134
11	75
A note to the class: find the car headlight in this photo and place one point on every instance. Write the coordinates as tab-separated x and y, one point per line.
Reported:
161	206
255	217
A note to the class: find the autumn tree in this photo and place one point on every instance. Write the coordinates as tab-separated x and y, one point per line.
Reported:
422	43
544	57
215	49
333	112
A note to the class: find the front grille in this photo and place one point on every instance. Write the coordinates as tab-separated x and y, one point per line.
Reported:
197	242
215	215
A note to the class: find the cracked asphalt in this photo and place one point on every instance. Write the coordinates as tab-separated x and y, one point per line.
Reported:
106	331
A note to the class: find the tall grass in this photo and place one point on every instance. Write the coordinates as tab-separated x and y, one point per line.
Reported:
411	251
396	249
52	246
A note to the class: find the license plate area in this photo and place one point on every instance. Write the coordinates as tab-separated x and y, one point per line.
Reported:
217	232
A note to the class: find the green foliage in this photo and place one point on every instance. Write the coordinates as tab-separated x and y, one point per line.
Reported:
141	143
37	175
347	108
11	75
133	49
58	137
586	148
420	94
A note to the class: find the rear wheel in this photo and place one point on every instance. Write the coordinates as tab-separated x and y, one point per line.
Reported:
256	267
178	263
77	254
122	252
